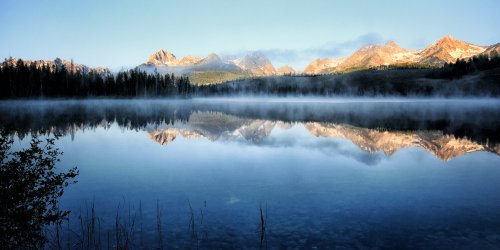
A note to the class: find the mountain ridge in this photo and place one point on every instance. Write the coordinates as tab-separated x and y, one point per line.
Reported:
217	69
255	64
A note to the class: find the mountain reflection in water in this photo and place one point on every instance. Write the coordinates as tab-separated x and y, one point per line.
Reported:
216	126
445	128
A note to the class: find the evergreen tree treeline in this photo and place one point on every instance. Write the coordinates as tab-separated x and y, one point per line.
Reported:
463	67
22	80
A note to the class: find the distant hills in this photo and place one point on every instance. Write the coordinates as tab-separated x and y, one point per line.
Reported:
215	69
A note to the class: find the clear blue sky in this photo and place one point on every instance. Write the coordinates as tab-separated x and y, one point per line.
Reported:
124	33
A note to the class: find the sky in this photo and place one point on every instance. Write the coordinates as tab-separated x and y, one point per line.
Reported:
124	33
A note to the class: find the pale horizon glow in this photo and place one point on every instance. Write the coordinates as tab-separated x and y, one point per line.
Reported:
118	34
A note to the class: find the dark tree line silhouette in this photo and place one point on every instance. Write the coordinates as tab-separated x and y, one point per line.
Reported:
22	80
463	67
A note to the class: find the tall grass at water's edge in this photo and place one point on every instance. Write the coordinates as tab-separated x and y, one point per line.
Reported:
127	229
87	233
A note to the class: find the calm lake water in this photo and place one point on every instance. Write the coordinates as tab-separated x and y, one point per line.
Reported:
327	173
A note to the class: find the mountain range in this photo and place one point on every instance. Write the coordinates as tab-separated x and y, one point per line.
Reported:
445	50
214	68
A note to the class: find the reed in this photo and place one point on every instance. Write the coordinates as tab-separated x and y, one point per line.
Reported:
158	224
263	226
192	226
126	230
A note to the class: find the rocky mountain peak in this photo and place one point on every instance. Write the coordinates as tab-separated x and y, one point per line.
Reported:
448	39
188	60
317	66
214	62
449	49
449	42
254	59
391	44
212	57
368	47
491	50
162	57
256	63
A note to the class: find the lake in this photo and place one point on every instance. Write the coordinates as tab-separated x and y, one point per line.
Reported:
276	173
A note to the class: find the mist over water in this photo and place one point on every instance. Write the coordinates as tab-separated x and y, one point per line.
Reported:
352	173
471	118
